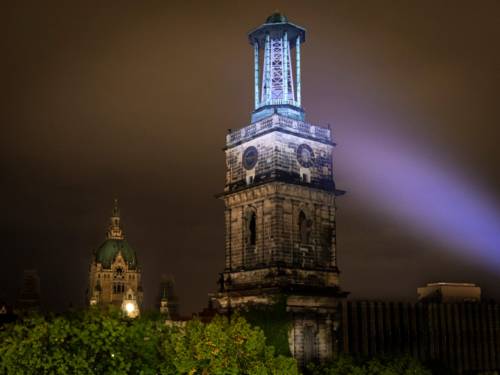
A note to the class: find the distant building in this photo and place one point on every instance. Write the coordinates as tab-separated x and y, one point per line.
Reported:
4	309
164	305
29	297
115	276
461	336
449	292
6	313
168	300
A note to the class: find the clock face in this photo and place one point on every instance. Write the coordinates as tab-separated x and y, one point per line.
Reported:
250	156
305	155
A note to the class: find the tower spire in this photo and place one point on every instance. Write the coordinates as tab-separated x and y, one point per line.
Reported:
277	37
115	231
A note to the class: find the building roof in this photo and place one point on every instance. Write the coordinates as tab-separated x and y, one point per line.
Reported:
449	292
276	17
107	252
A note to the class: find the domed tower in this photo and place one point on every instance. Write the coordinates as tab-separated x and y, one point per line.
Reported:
115	277
279	202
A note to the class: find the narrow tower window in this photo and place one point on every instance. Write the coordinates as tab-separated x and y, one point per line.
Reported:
304	228
252	232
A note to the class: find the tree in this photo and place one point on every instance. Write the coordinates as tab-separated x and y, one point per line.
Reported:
105	342
222	347
86	343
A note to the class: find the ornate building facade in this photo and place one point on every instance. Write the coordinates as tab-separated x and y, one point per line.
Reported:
115	276
280	201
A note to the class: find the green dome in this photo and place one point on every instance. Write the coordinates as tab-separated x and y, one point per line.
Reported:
276	17
109	249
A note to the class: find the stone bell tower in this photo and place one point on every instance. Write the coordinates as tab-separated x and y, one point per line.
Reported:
280	201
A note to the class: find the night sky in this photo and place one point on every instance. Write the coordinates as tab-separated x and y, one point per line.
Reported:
133	100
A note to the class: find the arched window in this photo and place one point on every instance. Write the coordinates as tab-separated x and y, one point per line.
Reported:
304	228
118	288
252	229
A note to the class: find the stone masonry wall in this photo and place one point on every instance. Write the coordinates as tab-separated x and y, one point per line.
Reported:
277	208
278	159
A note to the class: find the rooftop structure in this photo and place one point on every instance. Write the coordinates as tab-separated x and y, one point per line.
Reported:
275	90
449	292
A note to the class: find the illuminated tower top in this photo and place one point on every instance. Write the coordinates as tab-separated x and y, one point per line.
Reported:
275	91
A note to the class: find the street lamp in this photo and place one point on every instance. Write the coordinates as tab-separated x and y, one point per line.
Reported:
130	308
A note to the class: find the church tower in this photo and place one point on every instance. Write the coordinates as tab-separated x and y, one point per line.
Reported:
115	277
280	200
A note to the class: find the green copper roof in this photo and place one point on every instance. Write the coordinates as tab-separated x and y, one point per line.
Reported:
276	17
109	249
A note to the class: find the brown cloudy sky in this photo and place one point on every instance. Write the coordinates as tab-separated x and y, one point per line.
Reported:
132	100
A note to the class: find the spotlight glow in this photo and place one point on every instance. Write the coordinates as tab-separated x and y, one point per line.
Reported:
403	180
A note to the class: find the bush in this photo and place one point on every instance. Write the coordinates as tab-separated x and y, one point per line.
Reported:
222	347
274	320
104	342
346	365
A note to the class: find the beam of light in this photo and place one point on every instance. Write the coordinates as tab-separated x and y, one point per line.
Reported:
399	178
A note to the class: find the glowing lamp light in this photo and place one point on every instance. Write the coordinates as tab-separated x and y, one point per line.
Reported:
130	308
